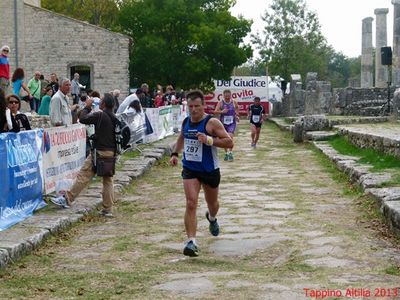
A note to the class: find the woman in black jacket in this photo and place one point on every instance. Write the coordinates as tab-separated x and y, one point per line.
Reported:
7	121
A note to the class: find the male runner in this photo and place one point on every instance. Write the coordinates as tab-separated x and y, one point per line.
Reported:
256	116
199	138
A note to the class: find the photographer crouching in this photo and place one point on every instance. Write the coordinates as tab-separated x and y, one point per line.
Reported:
102	158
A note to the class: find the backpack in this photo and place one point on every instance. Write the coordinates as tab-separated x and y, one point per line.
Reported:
122	133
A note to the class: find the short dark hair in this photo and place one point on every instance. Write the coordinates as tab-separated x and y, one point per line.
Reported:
108	100
95	94
193	95
257	98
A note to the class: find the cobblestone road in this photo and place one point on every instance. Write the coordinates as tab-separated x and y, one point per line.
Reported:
288	232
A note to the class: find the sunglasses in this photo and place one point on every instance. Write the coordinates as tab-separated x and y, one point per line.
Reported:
5	50
13	102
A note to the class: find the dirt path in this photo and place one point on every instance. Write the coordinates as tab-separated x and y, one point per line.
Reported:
288	232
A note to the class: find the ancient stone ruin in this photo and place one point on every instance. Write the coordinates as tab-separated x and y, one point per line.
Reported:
368	97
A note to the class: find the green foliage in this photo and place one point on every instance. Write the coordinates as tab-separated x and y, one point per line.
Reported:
102	13
184	43
293	42
251	68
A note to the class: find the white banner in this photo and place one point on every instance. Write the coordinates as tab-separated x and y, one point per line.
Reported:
164	120
64	151
244	89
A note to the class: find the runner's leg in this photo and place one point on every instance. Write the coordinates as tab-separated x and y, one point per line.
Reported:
192	189
253	134
257	134
211	196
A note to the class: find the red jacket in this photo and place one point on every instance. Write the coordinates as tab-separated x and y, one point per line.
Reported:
4	67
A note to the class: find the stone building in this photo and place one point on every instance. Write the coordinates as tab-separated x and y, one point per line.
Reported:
52	43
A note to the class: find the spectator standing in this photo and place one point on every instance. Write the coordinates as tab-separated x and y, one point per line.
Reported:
75	89
116	94
4	69
54	83
60	110
43	84
168	95
14	105
158	100
17	81
34	86
146	100
104	145
44	109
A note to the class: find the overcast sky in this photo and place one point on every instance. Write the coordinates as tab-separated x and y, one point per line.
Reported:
340	19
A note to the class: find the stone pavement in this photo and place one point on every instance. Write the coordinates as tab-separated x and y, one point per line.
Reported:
29	234
288	231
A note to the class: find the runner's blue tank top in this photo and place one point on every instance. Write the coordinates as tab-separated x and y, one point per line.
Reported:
197	156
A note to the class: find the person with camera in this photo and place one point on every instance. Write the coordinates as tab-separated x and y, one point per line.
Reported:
101	160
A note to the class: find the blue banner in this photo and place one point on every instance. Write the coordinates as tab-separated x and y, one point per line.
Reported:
21	182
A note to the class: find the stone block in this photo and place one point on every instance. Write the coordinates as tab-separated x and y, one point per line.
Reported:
371	180
4	258
391	211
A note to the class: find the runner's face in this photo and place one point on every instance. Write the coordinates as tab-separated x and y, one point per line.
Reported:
227	97
257	102
196	109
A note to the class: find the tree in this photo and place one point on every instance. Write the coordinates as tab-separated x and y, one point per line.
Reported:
184	43
293	42
102	13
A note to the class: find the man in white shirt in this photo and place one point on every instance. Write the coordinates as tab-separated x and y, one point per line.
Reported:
60	110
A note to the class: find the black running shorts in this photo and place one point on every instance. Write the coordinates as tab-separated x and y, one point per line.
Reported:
211	179
257	125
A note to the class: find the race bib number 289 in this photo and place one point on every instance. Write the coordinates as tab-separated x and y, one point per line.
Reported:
193	150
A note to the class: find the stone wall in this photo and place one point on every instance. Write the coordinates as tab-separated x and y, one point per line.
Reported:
72	42
12	31
318	95
315	99
359	101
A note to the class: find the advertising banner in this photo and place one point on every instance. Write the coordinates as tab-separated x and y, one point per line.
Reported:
20	173
64	150
164	120
244	89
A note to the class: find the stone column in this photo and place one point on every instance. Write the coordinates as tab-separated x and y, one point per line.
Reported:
396	43
381	72
366	54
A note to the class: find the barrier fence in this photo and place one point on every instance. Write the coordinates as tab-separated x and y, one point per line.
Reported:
33	162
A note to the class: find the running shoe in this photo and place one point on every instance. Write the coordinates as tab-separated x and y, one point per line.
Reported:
213	227
104	213
226	157
253	145
191	249
230	156
60	201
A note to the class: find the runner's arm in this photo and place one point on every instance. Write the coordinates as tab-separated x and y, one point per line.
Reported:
217	110
220	137
176	149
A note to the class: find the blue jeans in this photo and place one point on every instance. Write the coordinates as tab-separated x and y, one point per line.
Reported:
34	104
